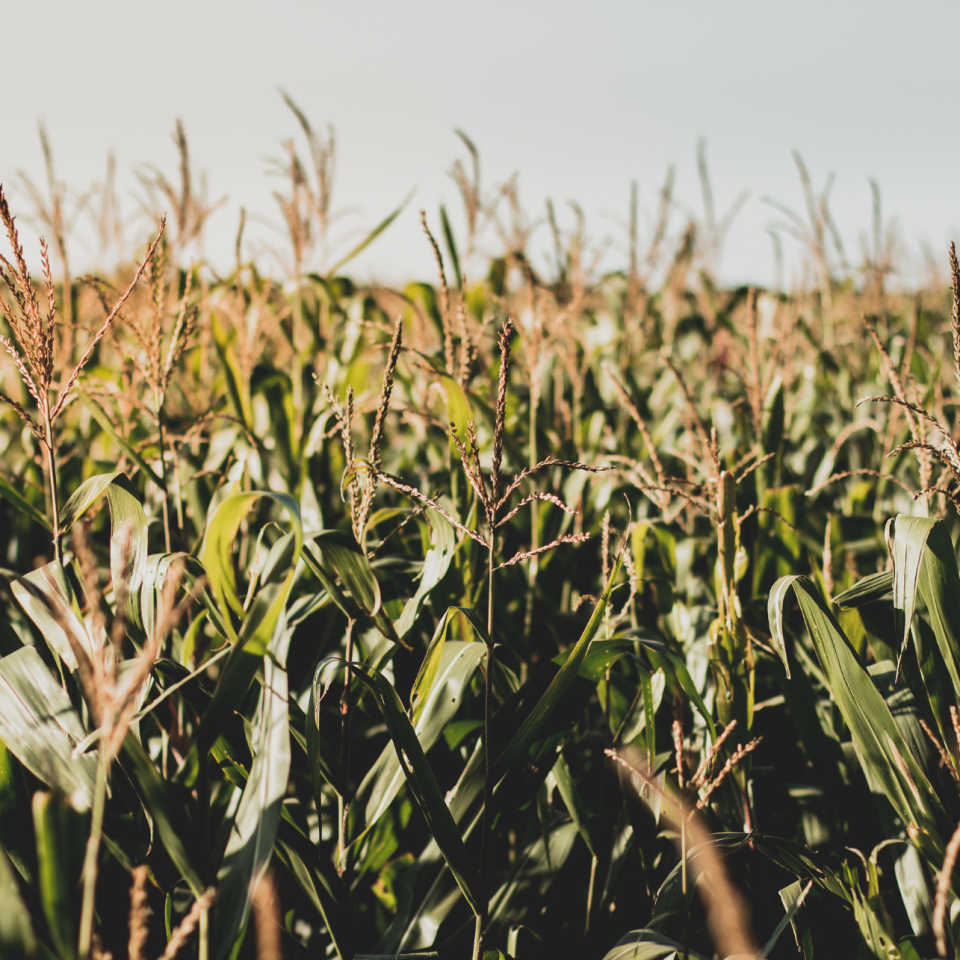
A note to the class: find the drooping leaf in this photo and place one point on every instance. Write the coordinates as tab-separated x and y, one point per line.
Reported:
47	597
907	541
128	533
648	945
790	896
939	585
427	674
343	552
325	766
217	557
40	727
312	558
878	740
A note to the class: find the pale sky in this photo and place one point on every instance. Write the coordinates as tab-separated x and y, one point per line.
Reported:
578	98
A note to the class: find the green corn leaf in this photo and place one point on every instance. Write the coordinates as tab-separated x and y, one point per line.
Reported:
217	555
418	775
528	731
650	706
435	566
382	782
571	798
343	552
312	558
237	386
451	245
47	598
907	541
427	674
15	837
12	495
874	586
178	836
936	682
774	418
262	623
40	727
370	237
791	900
640	718
103	419
323	886
878	740
61	831
240	669
648	945
128	534
254	829
790	897
325	766
458	412
17	940
939	585
156	568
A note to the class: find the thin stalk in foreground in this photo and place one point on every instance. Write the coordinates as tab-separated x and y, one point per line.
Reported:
593	880
166	482
91	858
203	952
487	779
54	488
344	753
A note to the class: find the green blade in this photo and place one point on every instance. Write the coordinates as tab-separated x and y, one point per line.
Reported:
61	831
418	775
11	494
40	727
878	740
103	419
17	940
370	237
254	829
525	736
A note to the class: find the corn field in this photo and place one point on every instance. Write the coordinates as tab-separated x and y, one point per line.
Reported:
533	611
